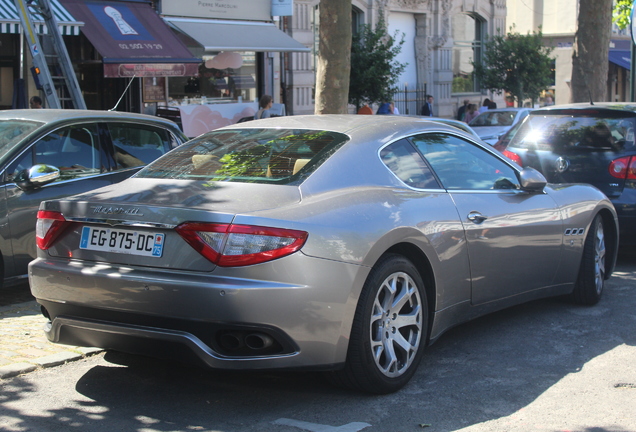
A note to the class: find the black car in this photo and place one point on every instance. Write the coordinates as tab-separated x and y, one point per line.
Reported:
50	154
584	143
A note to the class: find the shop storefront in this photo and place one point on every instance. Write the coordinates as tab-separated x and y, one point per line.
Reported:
127	39
210	61
237	41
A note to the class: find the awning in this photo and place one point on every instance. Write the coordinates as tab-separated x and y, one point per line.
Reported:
225	35
132	39
10	20
621	58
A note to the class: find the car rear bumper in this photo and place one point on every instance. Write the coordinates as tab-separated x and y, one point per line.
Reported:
277	319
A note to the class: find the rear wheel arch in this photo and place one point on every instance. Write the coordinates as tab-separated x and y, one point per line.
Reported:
425	269
390	328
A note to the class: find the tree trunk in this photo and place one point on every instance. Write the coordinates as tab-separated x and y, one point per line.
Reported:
591	49
334	57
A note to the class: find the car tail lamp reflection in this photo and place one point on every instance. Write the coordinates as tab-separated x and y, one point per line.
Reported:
48	228
229	245
623	168
513	157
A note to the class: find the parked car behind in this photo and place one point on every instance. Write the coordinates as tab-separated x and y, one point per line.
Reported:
48	154
583	143
492	124
339	243
449	122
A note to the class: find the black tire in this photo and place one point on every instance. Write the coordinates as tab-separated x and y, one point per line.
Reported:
591	279
387	339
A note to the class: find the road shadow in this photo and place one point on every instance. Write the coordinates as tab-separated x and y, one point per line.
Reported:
489	368
16	293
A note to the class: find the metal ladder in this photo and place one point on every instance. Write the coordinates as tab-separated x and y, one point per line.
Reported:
51	61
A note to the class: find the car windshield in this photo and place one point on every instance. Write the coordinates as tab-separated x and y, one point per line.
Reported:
494	118
571	133
12	131
277	156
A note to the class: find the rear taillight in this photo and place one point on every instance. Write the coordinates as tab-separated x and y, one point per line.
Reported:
513	157
229	245
623	168
48	227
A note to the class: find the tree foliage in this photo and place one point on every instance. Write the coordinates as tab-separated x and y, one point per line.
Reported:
621	13
374	72
516	63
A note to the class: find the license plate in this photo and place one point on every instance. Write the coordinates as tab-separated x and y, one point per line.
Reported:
122	241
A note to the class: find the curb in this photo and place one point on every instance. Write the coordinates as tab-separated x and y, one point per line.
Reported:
21	339
45	362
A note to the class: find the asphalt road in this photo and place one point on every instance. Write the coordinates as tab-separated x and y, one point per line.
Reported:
545	366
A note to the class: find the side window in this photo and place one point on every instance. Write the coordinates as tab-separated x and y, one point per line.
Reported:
137	145
404	161
74	150
461	165
18	168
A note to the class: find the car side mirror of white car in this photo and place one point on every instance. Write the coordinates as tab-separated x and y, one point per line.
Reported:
532	180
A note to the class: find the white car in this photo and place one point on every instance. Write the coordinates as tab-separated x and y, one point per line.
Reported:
492	124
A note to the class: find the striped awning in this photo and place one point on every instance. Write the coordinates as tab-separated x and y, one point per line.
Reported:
10	20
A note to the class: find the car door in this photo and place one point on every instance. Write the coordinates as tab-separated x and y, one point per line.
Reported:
514	237
76	151
89	156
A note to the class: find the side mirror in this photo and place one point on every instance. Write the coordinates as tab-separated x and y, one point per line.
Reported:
532	180
39	175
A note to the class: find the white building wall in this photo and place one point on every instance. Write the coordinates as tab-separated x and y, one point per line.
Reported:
404	23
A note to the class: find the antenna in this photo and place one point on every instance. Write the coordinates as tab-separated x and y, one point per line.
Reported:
123	94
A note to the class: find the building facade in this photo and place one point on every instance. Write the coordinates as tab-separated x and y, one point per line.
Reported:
558	23
441	40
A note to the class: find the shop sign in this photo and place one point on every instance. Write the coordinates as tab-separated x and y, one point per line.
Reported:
259	10
129	70
154	89
282	7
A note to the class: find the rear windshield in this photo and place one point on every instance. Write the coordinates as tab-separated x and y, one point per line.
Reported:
494	118
575	133
278	156
12	131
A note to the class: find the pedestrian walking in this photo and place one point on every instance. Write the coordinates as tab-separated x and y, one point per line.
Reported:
471	113
427	108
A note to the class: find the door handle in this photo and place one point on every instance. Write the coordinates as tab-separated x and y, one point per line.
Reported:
476	217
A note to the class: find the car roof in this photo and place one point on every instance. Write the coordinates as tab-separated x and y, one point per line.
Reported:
61	115
613	106
347	123
506	109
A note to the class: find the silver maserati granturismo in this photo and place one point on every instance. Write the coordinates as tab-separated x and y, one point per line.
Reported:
344	244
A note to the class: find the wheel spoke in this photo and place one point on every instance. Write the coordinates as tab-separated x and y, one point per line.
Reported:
390	359
406	346
410	319
403	296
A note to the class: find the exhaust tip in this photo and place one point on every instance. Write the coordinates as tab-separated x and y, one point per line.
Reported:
231	341
258	341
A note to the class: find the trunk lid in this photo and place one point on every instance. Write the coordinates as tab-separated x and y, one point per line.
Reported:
122	224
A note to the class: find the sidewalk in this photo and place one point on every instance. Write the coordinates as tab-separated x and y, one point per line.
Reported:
23	346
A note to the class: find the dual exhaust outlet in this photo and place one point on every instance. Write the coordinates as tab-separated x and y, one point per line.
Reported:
256	341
